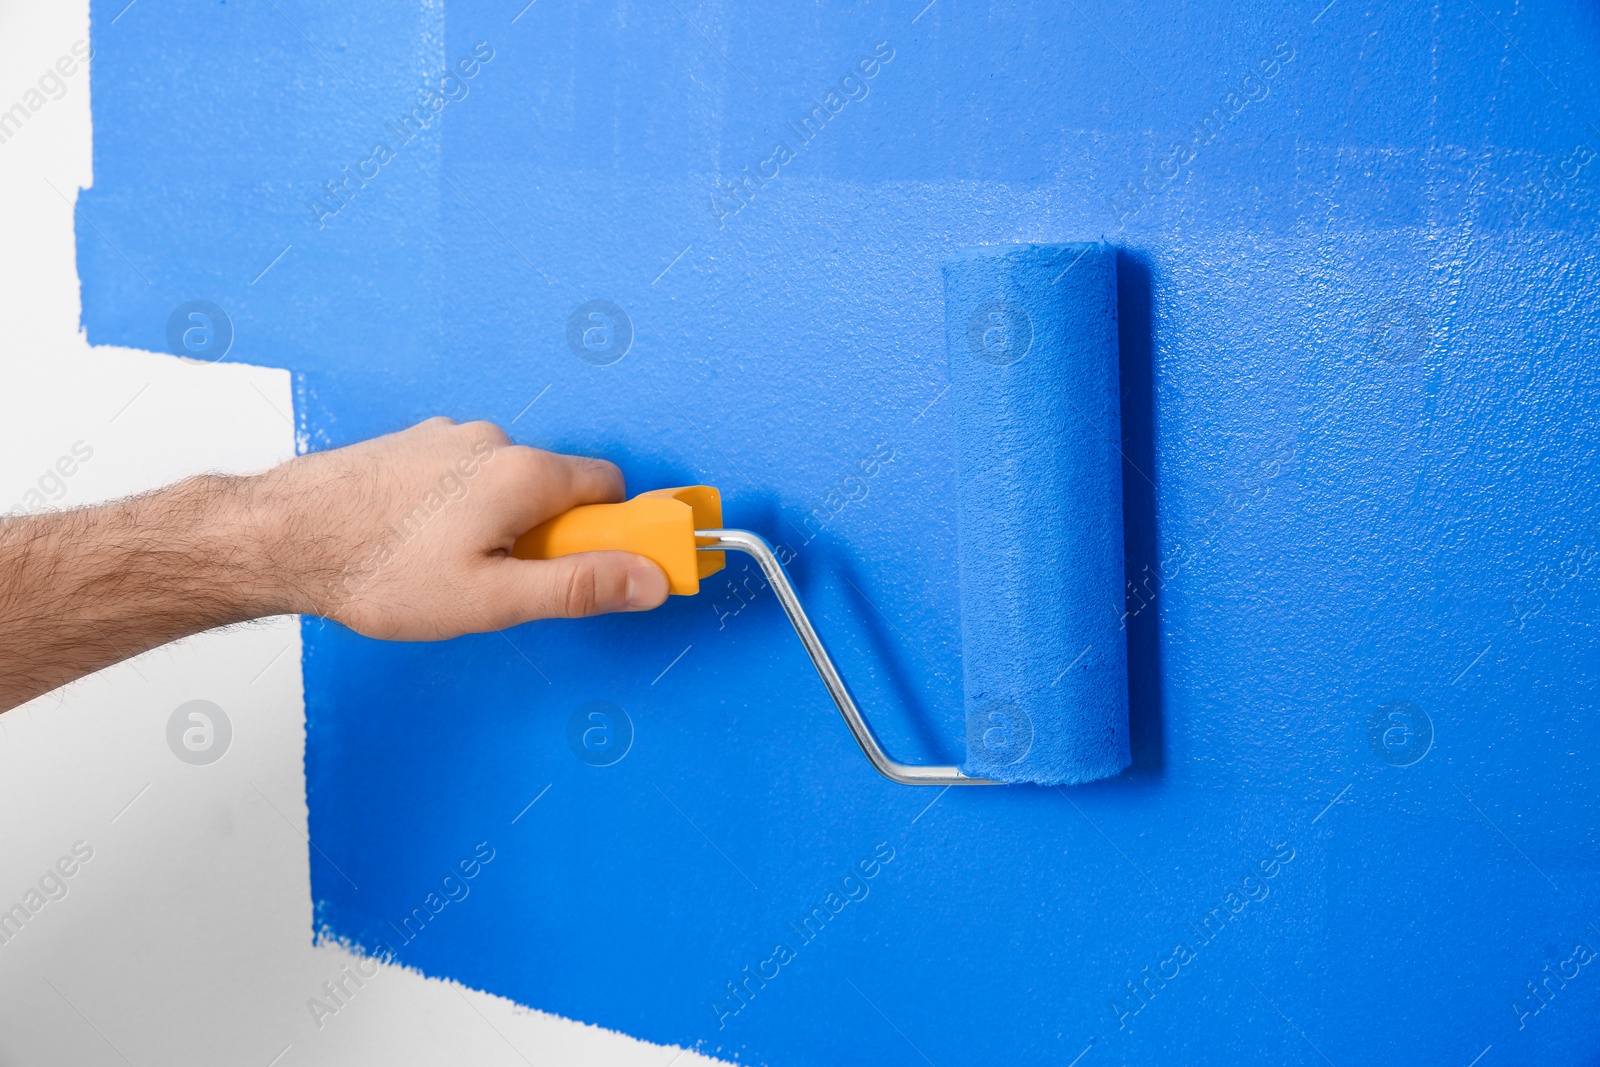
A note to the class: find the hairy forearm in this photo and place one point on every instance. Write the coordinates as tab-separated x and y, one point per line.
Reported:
406	537
82	589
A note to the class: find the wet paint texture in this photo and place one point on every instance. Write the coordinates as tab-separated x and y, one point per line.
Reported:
1357	298
1032	337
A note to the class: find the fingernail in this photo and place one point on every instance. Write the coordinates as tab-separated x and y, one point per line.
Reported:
647	585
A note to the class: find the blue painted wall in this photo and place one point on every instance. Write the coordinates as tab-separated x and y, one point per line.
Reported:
1358	292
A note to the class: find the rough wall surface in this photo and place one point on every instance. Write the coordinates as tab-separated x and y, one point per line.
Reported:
1357	313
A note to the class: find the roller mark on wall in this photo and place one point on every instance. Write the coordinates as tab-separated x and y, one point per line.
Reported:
1552	576
852	887
850	488
1134	195
454	886
855	84
1541	990
398	134
1141	989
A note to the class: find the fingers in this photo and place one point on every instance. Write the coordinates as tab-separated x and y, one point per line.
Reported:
478	430
576	586
530	484
542	484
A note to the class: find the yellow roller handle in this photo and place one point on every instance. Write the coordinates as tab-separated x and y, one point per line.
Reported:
659	525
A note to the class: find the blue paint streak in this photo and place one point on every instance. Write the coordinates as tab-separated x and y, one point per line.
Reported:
1357	310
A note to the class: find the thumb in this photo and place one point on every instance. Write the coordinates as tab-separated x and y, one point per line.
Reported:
582	584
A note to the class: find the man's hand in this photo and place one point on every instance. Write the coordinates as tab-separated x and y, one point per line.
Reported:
405	537
408	537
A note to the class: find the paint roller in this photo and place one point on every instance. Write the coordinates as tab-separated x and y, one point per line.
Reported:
1031	333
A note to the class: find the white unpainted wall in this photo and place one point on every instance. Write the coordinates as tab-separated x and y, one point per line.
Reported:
186	939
